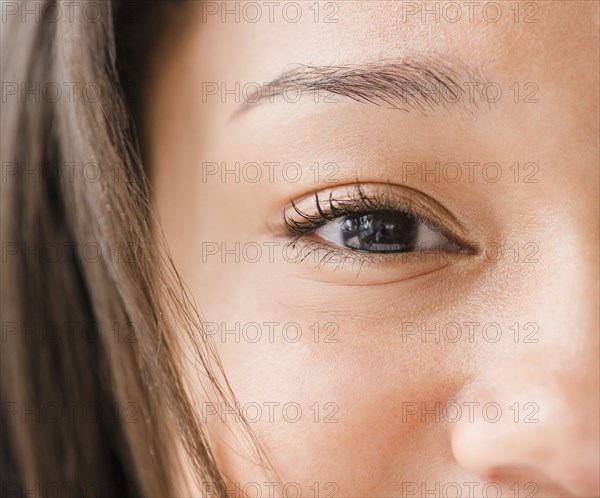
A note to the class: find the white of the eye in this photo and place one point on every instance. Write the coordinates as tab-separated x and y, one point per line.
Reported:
332	232
426	239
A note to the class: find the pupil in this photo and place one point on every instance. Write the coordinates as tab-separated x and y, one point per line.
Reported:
384	230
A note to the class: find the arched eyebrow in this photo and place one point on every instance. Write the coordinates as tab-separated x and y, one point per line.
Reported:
417	84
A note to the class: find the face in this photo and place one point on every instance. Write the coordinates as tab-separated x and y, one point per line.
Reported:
389	221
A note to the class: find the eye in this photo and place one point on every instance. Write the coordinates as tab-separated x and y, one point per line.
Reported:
372	223
372	233
384	231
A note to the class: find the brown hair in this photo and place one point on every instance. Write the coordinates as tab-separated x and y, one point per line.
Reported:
72	179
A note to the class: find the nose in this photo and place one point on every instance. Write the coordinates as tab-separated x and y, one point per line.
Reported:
537	415
541	432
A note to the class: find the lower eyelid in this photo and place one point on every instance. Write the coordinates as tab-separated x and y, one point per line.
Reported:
326	263
309	248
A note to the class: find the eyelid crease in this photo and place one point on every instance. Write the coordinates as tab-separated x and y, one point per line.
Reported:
313	211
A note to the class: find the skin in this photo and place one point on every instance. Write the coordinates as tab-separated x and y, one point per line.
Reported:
364	442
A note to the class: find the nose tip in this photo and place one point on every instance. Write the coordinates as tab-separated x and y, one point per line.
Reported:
557	446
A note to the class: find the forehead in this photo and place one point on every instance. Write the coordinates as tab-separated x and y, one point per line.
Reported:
550	47
534	36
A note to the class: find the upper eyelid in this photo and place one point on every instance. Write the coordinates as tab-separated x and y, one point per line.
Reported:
383	196
344	209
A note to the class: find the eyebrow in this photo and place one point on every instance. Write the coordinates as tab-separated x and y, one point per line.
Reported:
419	84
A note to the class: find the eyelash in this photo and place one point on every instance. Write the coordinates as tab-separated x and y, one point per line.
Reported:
352	205
342	208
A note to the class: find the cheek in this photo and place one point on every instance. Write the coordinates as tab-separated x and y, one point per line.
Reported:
323	416
325	394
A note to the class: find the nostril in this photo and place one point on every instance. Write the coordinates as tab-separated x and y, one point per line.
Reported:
528	482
